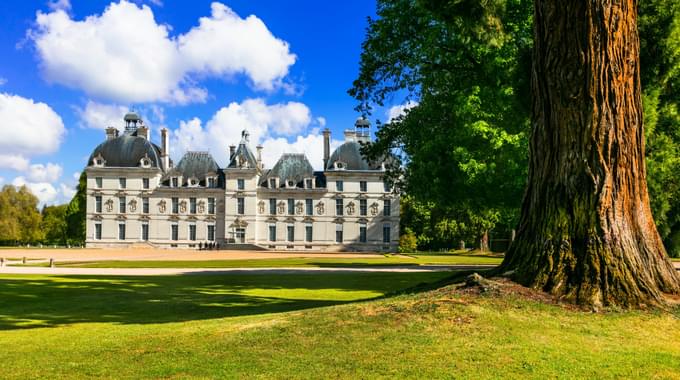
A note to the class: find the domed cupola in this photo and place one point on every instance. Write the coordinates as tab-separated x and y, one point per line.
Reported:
131	149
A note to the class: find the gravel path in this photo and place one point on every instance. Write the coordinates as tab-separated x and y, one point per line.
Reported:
216	271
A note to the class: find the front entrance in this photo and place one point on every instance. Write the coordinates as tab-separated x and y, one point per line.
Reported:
240	235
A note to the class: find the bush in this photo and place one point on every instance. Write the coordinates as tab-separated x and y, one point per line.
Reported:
408	242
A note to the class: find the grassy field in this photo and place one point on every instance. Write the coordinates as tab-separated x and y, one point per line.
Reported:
306	326
387	260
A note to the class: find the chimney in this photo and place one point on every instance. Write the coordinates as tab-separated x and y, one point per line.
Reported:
165	149
143	131
259	157
232	151
326	147
350	135
111	133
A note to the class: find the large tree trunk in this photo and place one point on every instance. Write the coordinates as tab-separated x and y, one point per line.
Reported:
586	231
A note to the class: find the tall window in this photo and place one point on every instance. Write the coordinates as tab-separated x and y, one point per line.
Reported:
98	203
272	232
145	231
145	205
212	182
387	187
387	207
338	233
192	232
98	182
145	183
241	183
240	206
122	183
121	205
363	207
175	205
291	206
174	182
308	232
386	233
272	206
309	208
362	233
309	183
98	231
290	232
211	206
174	232
211	232
192	205
363	186
339	186
121	231
272	183
339	205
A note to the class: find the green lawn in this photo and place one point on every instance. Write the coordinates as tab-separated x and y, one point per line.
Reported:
389	260
310	326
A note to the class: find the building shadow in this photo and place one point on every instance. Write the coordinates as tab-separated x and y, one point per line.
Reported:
28	302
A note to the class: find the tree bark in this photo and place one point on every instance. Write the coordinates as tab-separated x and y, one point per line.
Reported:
586	232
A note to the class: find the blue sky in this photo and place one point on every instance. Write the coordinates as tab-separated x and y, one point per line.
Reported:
205	70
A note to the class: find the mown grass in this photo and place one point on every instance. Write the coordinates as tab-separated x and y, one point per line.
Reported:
307	326
388	260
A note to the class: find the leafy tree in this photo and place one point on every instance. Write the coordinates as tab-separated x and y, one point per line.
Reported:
466	64
19	216
54	225
407	242
76	212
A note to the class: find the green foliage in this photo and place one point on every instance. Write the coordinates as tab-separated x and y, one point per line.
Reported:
19	216
54	225
76	213
408	242
465	143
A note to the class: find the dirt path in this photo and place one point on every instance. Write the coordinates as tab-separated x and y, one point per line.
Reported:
217	271
87	254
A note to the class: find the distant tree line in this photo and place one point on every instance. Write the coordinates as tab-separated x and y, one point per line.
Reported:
22	222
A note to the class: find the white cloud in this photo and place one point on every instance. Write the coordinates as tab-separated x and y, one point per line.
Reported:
311	145
44	173
28	128
67	192
2	180
45	192
100	116
108	58
321	121
396	111
3	81
55	5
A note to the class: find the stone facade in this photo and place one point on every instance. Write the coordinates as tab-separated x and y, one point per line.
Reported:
137	195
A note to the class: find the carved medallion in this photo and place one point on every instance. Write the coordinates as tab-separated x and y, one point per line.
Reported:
320	209
260	207
132	205
109	205
299	208
162	206
201	207
282	207
350	208
374	209
183	206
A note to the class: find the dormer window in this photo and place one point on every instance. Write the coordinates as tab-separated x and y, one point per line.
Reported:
309	183
174	182
290	184
193	182
212	182
145	162
340	165
272	183
98	161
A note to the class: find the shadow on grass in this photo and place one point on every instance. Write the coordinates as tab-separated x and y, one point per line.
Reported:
47	301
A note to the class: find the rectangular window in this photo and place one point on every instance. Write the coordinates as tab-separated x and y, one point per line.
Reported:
121	205
387	187
211	232
174	232
240	206
121	231
174	182
212	182
272	206
211	206
145	183
272	232
308	233
363	186
192	205
241	183
122	183
290	232
192	232
338	233
362	233
339	206
309	183
339	186
175	205
387	207
363	207
386	233
272	183
98	182
98	231
145	205
98	203
145	232
291	206
309	209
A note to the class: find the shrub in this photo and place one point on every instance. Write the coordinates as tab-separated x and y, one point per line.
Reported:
408	241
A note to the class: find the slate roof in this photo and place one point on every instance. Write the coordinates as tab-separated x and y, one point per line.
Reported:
290	167
194	164
127	150
244	153
349	153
